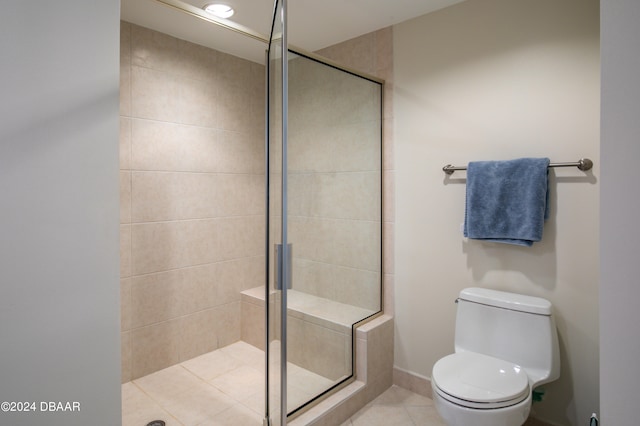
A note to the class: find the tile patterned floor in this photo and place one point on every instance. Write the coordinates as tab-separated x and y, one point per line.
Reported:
225	387
397	407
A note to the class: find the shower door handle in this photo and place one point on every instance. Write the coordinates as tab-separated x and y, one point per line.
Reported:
279	265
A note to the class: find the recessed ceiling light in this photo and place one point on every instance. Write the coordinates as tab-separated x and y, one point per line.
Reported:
220	10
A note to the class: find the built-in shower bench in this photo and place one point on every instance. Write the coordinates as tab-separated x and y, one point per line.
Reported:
319	337
319	329
317	310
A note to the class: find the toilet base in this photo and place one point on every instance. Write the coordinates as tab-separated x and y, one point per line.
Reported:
457	415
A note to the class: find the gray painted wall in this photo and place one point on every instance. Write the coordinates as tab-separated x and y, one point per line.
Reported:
620	203
59	284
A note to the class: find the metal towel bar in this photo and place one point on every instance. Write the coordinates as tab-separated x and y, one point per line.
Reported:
583	164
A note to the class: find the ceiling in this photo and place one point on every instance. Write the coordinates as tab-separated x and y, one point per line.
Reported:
313	24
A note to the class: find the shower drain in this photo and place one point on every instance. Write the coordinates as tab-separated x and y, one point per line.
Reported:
156	423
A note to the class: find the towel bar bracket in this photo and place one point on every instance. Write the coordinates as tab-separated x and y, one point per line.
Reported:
583	164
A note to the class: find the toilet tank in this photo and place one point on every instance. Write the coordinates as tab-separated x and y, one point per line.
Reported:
512	327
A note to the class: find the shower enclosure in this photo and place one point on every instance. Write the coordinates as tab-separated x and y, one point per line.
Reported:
227	280
324	221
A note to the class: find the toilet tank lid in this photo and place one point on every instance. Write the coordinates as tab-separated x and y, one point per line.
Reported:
502	299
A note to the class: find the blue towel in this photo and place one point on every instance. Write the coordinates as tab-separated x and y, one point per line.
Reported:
507	201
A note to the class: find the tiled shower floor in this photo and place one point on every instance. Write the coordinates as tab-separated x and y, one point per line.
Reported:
223	387
226	387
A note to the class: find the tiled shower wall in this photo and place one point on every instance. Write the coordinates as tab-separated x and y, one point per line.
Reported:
334	184
192	197
373	54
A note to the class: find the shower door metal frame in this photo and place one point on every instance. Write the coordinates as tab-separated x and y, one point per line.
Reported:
283	259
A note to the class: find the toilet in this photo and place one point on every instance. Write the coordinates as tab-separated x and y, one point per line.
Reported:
506	345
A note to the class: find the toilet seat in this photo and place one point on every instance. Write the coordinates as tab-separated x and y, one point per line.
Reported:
479	381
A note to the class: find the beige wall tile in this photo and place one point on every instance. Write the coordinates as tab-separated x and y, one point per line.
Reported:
361	359
353	244
380	340
353	147
199	334
235	104
314	277
125	143
388	162
125	43
318	349
125	304
125	90
388	100
173	147
229	278
242	153
158	297
336	195
198	104
326	96
301	197
170	245
254	272
258	101
383	49
125	358
235	87
357	53
125	69
161	296
209	329
240	194
412	382
154	94
227	319
252	324
155	347
389	212
152	49
125	197
389	248
239	237
165	196
202	287
232	68
358	287
295	341
389	295
125	251
197	62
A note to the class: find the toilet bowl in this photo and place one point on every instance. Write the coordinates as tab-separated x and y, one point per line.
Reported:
469	388
506	345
